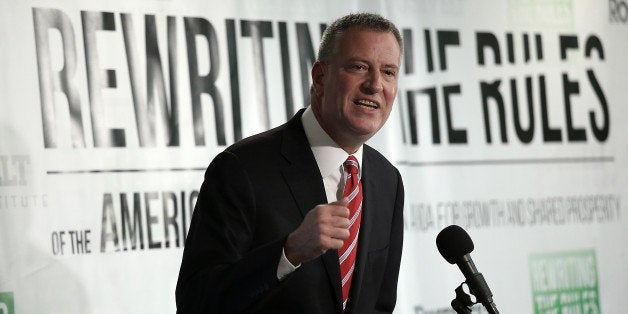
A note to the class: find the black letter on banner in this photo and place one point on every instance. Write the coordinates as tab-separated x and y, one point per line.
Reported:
446	38
57	81
108	220
539	47
571	88
594	43
549	134
408	51
98	78
166	199
492	91
567	42
234	80
56	243
487	40
258	30
511	48
204	84
150	219
456	136
133	226
286	70
429	59
306	59
145	112
413	114
524	135
191	202
173	56
601	133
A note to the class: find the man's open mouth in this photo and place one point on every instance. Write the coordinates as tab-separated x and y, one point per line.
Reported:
366	103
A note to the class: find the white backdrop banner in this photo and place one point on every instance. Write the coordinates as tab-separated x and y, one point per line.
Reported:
508	123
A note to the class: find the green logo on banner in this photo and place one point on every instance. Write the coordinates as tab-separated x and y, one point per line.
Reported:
6	303
565	282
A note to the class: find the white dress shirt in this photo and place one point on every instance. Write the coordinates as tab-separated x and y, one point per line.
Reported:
329	158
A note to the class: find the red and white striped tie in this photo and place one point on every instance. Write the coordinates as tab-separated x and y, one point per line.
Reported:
346	254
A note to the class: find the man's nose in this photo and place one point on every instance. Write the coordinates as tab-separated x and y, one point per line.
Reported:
373	83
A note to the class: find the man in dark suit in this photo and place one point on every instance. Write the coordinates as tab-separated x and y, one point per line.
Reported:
305	218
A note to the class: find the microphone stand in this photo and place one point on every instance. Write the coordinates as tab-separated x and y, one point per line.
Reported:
462	302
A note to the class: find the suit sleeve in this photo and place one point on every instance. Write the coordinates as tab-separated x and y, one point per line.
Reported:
220	272
388	291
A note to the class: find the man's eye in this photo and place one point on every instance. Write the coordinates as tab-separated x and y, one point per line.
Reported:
357	67
390	73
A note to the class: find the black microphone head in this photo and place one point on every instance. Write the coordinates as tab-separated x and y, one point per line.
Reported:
453	243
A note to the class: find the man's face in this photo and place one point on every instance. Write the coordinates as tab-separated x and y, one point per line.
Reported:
358	86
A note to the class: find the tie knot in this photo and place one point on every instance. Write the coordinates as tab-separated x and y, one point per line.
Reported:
351	165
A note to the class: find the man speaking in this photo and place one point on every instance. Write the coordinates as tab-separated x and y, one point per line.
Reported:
305	218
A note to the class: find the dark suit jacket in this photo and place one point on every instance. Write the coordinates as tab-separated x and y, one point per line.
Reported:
254	194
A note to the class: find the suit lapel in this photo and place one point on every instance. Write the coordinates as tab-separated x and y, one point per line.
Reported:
306	184
301	174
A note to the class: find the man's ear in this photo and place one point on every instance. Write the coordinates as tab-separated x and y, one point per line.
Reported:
319	70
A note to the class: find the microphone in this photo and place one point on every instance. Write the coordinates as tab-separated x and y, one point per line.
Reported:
454	244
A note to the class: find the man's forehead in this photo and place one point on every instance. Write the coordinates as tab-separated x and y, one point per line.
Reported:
352	31
351	42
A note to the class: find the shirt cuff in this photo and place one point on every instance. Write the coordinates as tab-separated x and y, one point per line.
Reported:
285	268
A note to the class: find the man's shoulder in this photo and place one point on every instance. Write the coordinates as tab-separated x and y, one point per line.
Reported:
377	159
251	152
269	140
258	149
258	141
269	146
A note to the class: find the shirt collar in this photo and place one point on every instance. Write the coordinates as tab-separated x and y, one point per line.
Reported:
329	156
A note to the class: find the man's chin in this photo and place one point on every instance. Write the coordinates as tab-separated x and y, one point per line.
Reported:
364	133
365	127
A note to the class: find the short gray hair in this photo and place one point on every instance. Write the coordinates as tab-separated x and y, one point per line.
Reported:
369	21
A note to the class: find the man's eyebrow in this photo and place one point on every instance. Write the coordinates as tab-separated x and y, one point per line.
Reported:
390	66
385	66
356	59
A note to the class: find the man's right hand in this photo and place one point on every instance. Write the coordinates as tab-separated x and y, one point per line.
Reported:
324	227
